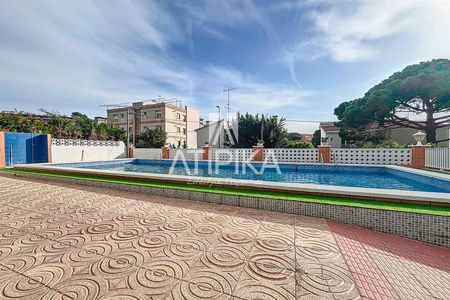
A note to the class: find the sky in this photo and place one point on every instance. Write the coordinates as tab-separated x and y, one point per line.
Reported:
295	59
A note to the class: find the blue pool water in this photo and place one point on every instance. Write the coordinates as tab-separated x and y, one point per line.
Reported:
339	175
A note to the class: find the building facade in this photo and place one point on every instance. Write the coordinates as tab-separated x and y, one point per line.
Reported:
329	135
178	122
211	133
101	120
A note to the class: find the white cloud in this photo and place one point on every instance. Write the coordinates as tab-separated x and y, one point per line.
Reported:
75	56
350	31
87	53
252	95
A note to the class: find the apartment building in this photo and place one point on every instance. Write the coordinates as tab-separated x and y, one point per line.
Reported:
179	122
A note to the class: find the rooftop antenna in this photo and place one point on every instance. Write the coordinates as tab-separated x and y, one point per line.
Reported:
228	103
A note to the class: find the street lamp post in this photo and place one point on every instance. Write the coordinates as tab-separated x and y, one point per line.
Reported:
218	108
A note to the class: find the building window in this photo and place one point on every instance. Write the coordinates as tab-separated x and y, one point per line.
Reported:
121	116
178	116
178	130
115	118
144	114
184	131
158	114
184	118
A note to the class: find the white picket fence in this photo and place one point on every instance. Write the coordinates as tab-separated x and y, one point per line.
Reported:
376	156
438	158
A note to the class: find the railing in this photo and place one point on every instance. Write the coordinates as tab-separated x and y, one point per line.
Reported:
149	153
438	158
291	155
377	156
232	154
70	142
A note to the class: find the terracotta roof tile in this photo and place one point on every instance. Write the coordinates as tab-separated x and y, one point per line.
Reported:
329	127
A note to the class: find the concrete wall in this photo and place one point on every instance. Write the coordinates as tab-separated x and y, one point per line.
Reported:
334	140
442	134
75	153
210	134
402	136
405	136
192	123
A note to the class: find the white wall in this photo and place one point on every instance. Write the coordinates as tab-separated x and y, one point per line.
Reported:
210	134
73	151
443	133
192	123
405	136
334	140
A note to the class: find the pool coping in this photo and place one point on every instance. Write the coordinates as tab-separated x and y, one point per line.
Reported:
296	188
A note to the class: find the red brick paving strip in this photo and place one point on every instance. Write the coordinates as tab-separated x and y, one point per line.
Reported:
371	282
389	267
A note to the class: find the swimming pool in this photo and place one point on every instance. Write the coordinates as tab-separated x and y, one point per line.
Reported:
353	176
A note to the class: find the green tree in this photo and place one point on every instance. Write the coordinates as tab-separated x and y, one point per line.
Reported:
420	89
151	138
316	138
84	127
294	136
80	126
299	144
18	121
273	128
61	127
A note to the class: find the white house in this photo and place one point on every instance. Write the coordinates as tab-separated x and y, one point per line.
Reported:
329	135
401	135
212	133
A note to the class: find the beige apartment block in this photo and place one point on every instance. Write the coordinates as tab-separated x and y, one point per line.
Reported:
179	122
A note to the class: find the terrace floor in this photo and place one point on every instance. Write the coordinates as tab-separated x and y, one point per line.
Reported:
68	242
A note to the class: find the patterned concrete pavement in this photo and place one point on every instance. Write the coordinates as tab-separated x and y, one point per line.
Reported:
65	242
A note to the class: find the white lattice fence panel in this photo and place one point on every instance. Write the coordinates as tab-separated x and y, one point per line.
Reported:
232	154
148	153
188	154
378	156
438	158
291	155
70	142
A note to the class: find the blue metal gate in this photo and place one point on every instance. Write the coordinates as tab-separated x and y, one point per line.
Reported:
25	148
